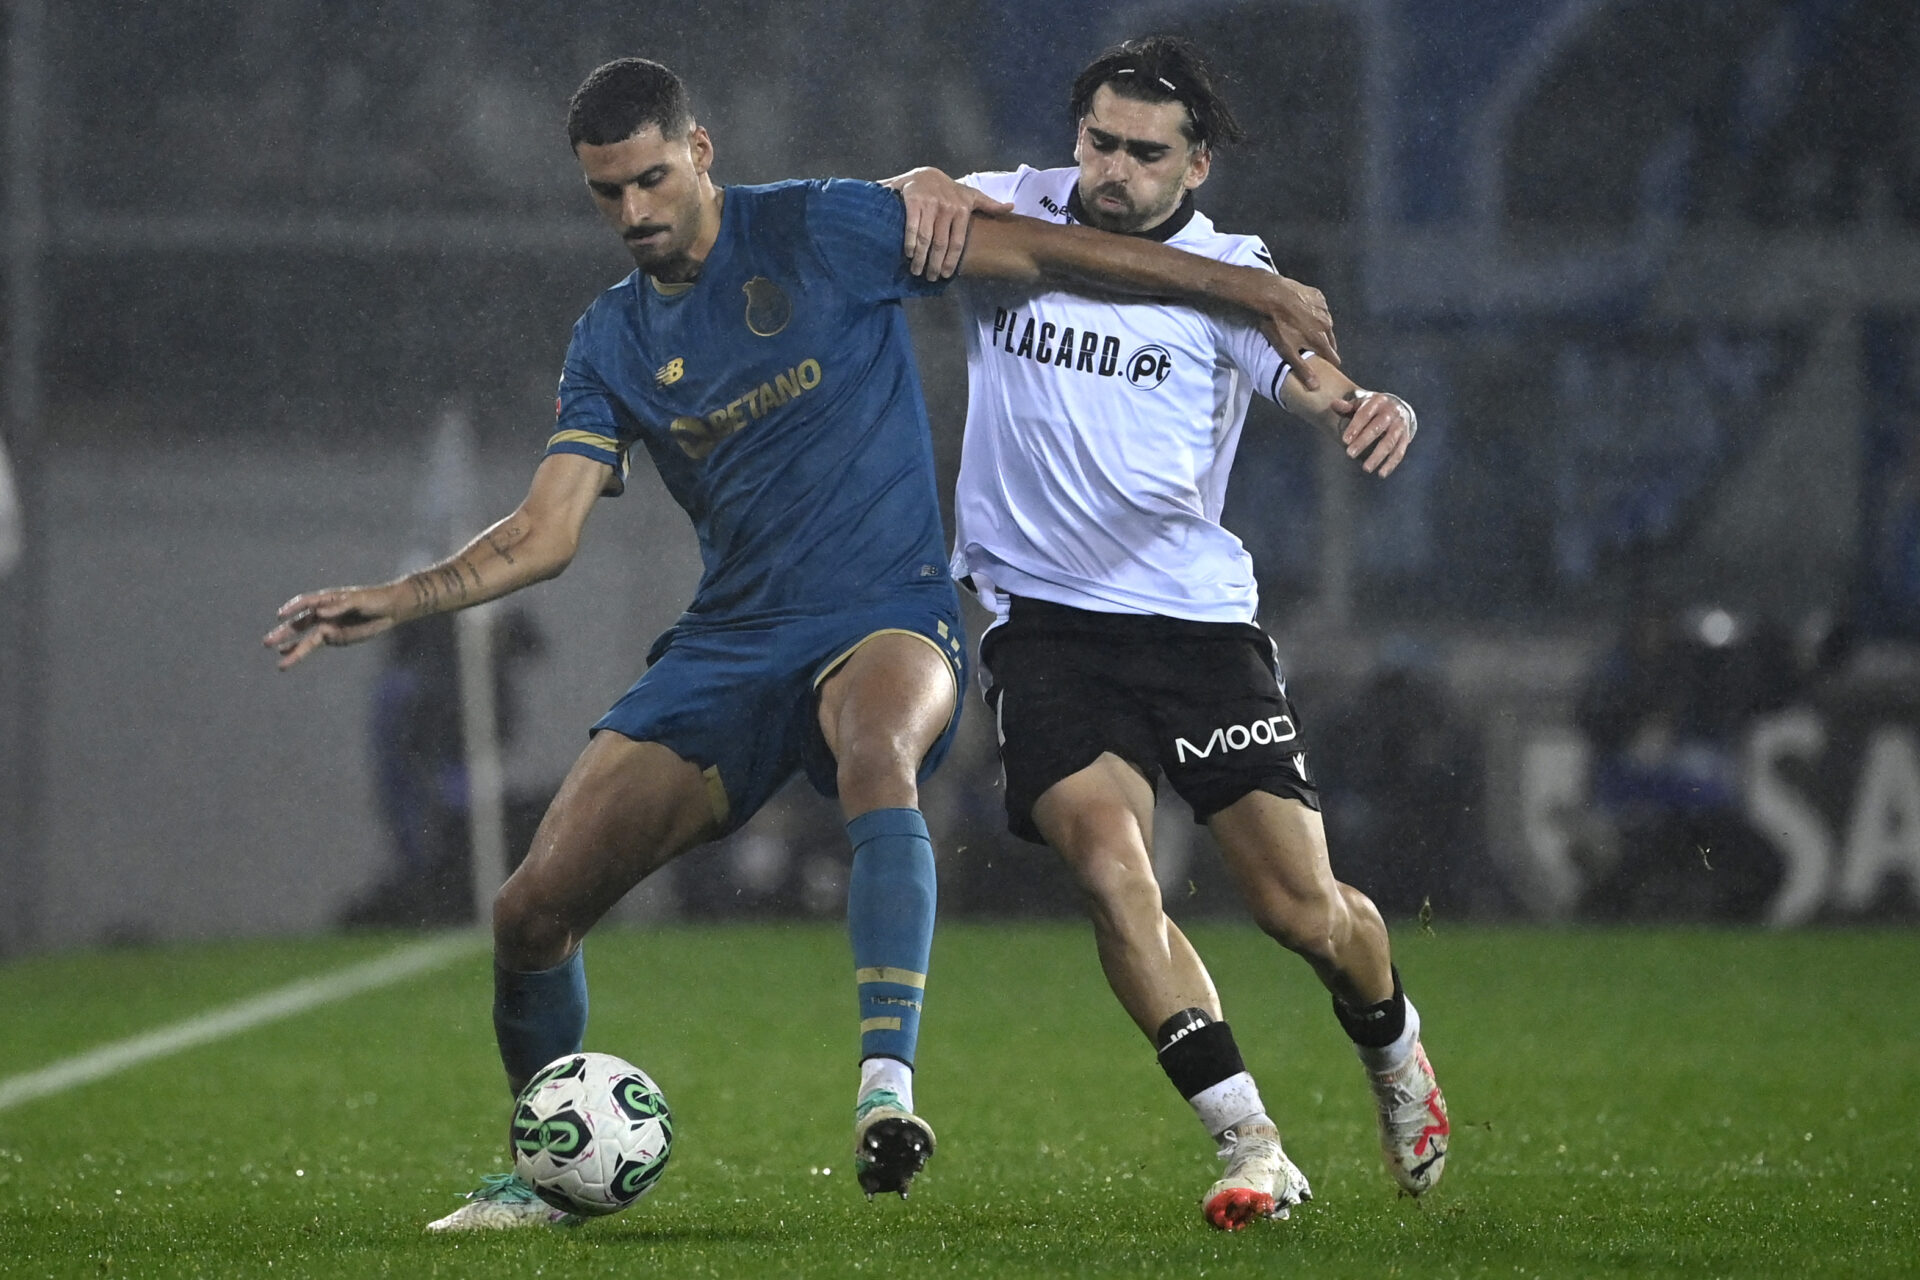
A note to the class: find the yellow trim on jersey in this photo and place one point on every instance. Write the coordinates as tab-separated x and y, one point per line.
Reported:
952	660
841	659
899	977
716	794
593	438
879	1024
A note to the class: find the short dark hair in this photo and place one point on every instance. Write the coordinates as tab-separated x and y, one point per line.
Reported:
623	97
1161	69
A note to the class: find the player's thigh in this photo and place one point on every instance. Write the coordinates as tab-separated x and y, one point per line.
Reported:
1100	821
625	810
1062	703
889	701
1276	849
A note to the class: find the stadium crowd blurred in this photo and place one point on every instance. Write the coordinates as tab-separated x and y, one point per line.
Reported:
1653	508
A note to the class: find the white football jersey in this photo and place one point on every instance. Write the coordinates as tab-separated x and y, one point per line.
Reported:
1100	434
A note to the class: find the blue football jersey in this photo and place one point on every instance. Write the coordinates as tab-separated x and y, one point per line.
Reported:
778	397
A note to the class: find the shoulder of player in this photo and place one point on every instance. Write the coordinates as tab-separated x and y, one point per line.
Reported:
1202	237
824	201
612	303
1035	192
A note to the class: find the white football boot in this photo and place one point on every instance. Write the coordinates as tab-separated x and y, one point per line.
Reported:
1413	1122
1258	1182
503	1201
890	1144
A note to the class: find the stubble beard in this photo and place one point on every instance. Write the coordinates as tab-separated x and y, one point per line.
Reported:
668	263
675	267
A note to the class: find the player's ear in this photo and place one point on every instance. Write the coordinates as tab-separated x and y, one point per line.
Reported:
701	147
1199	167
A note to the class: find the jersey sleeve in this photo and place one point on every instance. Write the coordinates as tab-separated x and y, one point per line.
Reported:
1244	344
859	229
585	421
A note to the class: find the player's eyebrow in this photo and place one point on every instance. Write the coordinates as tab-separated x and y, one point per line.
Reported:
1145	150
646	177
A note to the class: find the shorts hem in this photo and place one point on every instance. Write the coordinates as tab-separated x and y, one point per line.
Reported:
1283	787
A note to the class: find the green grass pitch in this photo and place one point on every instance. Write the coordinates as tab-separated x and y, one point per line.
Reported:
1642	1103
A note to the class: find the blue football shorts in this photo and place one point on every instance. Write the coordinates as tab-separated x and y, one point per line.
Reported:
740	701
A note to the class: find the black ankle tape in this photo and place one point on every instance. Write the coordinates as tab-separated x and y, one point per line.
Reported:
1375	1026
1179	1027
1196	1052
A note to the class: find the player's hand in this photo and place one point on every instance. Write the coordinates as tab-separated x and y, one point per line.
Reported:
1295	319
1379	421
336	616
1315	303
938	209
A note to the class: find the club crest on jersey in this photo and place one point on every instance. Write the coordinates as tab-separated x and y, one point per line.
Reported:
768	308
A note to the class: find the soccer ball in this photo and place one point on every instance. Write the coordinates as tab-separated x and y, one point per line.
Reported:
591	1133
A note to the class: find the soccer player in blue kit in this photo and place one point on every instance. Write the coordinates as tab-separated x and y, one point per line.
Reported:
760	358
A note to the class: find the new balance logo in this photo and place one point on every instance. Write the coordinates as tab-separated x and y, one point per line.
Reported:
1238	737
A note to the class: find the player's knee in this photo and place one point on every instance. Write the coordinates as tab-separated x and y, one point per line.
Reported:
528	936
1123	895
867	760
1115	878
1313	925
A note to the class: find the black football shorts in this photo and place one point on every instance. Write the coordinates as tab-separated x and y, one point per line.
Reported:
1198	701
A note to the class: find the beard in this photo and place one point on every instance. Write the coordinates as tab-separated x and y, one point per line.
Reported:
666	260
668	257
1129	217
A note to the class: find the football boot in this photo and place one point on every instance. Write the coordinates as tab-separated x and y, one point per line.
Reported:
1258	1182
1413	1122
890	1144
501	1201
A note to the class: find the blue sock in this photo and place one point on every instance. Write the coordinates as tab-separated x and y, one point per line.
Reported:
538	1017
890	903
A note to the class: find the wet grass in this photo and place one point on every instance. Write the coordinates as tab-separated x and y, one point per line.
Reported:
1637	1103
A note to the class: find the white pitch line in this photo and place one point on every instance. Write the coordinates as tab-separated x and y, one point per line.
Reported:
270	1006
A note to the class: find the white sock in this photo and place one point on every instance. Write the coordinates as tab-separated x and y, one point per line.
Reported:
1392	1056
1233	1102
887	1073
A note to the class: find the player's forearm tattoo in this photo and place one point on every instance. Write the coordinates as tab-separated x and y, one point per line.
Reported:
452	581
448	583
502	546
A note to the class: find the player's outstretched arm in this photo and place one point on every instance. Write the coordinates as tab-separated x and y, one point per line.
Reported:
1029	251
1376	420
938	209
533	544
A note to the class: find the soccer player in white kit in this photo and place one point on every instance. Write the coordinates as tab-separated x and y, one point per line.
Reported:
1099	437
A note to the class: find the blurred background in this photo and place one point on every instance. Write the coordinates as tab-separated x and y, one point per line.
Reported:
1635	633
